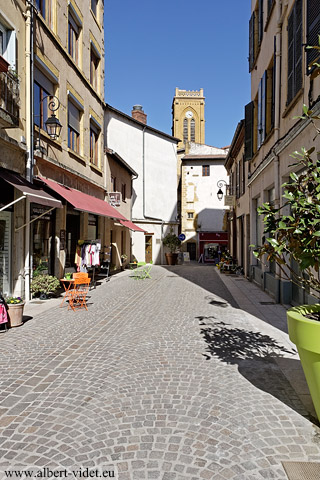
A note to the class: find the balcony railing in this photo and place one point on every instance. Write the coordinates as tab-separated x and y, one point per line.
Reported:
9	100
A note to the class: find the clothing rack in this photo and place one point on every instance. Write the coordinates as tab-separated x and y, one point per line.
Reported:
93	267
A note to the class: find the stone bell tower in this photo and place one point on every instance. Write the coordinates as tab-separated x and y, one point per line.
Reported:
188	122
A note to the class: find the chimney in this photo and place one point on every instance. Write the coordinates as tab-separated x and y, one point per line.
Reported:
138	114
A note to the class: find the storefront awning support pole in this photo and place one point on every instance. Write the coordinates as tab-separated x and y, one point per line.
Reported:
11	203
34	219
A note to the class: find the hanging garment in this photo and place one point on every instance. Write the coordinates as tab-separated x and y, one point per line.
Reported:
96	256
3	314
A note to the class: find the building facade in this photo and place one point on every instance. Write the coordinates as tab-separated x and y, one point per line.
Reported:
203	215
12	143
283	78
239	215
153	155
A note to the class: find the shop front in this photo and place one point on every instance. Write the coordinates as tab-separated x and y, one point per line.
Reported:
212	245
26	220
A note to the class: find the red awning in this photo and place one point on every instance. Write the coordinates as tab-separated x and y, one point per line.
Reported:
131	226
83	202
34	193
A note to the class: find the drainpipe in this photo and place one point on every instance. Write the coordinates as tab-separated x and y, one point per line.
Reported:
281	11
29	139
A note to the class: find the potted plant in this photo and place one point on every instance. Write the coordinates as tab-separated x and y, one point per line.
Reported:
44	284
294	235
172	242
15	310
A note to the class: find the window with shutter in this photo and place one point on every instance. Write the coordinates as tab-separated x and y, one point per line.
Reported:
73	127
260	27
294	83
262	110
313	30
251	41
270	3
248	128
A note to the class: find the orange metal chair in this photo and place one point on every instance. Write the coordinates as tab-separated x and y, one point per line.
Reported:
78	295
80	275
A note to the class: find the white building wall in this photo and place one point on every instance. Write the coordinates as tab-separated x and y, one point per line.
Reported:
137	144
203	191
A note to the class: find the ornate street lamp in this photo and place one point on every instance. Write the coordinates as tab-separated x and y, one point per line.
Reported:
53	126
220	184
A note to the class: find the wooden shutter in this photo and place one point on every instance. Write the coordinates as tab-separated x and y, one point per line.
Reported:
298	46
260	21
73	117
251	41
290	82
248	129
262	99
273	100
313	30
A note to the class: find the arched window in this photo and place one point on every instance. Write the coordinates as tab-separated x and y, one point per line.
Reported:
193	130
185	131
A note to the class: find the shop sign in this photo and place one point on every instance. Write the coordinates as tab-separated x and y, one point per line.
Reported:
229	201
115	199
62	239
39	210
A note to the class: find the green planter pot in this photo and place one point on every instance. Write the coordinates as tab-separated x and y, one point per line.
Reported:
305	334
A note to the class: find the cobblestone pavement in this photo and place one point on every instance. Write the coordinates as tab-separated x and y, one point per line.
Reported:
162	379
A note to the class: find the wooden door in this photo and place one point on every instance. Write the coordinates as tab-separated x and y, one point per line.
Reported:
148	245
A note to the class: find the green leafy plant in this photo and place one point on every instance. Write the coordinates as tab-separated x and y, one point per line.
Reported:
296	234
124	257
171	241
13	300
44	284
40	268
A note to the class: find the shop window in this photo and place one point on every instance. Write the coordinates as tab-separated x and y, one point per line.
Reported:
92	227
41	235
123	192
5	252
74	116
94	145
205	170
74	29
294	80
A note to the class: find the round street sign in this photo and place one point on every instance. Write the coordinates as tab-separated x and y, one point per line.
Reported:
182	237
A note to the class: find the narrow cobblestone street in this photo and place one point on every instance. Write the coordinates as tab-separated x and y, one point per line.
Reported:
165	378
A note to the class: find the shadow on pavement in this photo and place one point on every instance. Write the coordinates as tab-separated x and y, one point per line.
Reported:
255	355
206	277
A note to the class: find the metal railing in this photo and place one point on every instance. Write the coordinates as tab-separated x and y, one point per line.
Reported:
10	95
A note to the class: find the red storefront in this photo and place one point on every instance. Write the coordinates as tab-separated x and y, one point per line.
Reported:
212	245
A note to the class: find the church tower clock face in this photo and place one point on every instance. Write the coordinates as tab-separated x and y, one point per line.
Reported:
189	114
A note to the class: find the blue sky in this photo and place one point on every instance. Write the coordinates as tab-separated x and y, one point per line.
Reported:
153	46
